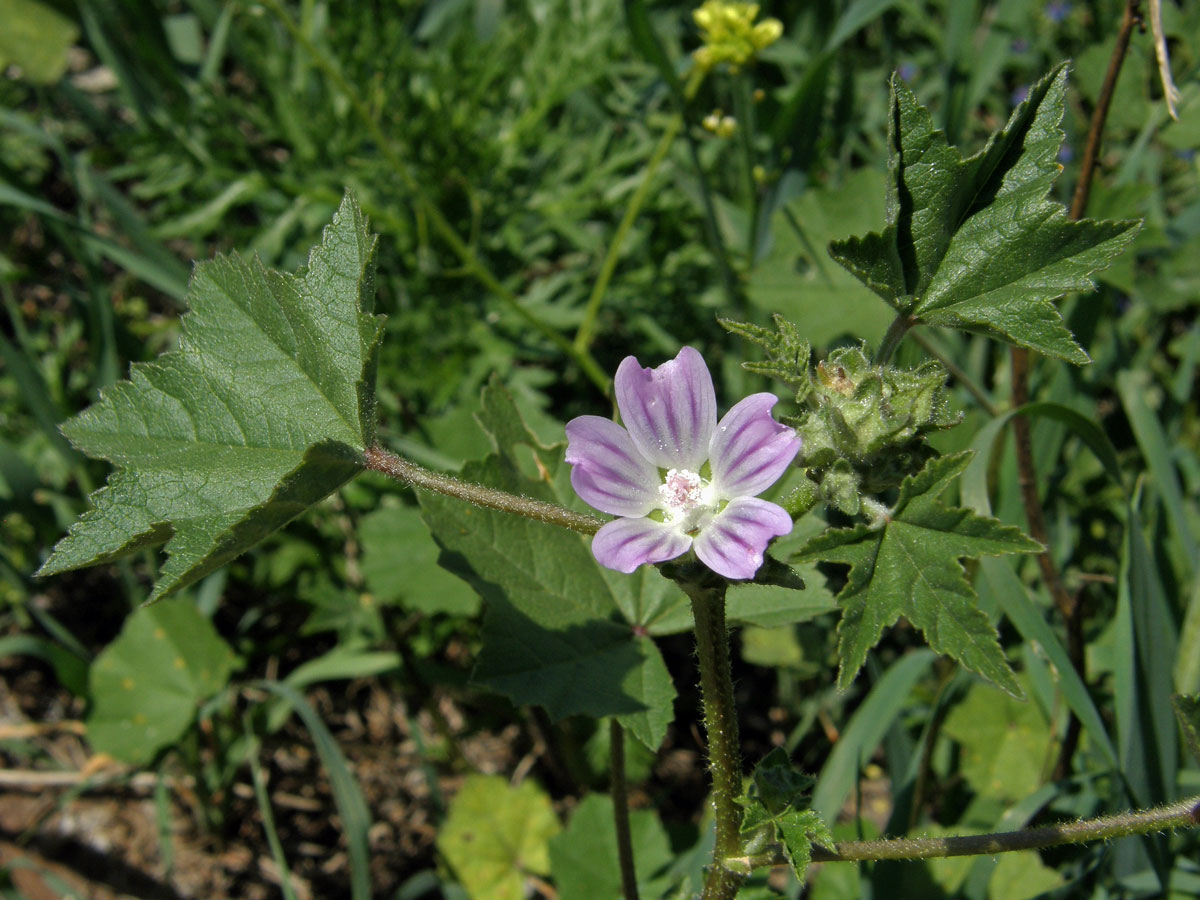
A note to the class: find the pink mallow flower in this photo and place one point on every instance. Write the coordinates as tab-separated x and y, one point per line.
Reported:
677	478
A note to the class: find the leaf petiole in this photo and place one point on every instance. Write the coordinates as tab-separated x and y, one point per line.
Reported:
379	460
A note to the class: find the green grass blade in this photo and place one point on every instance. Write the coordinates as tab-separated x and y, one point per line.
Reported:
647	43
857	15
1152	441
975	478
268	818
217	44
70	670
1149	725
1013	597
865	730
37	398
1187	664
352	806
1146	739
171	280
168	268
1010	592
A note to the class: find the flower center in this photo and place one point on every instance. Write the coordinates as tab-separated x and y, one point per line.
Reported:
680	490
686	499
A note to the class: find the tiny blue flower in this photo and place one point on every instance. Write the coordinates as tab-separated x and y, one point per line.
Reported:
1057	10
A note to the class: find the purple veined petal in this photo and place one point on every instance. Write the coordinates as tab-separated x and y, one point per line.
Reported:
750	450
625	544
732	544
670	411
606	469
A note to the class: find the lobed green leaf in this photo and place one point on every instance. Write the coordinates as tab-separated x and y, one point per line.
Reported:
496	835
975	243
908	565
776	805
263	409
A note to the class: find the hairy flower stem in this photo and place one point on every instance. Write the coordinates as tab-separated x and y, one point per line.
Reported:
1185	814
380	460
721	728
620	798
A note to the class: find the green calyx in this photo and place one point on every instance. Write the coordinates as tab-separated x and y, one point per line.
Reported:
866	425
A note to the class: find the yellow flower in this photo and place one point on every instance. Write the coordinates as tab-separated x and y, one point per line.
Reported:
730	33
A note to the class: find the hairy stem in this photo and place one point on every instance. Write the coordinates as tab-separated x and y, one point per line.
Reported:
891	340
721	728
1185	814
380	460
620	797
1068	605
470	260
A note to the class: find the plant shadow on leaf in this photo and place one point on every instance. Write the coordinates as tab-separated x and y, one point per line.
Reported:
580	669
552	627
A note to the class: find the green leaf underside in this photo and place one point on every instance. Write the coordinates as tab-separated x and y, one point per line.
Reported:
263	410
909	567
147	684
556	631
975	243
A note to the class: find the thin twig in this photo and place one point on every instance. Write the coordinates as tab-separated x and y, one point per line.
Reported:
1069	606
11	731
1131	18
103	779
